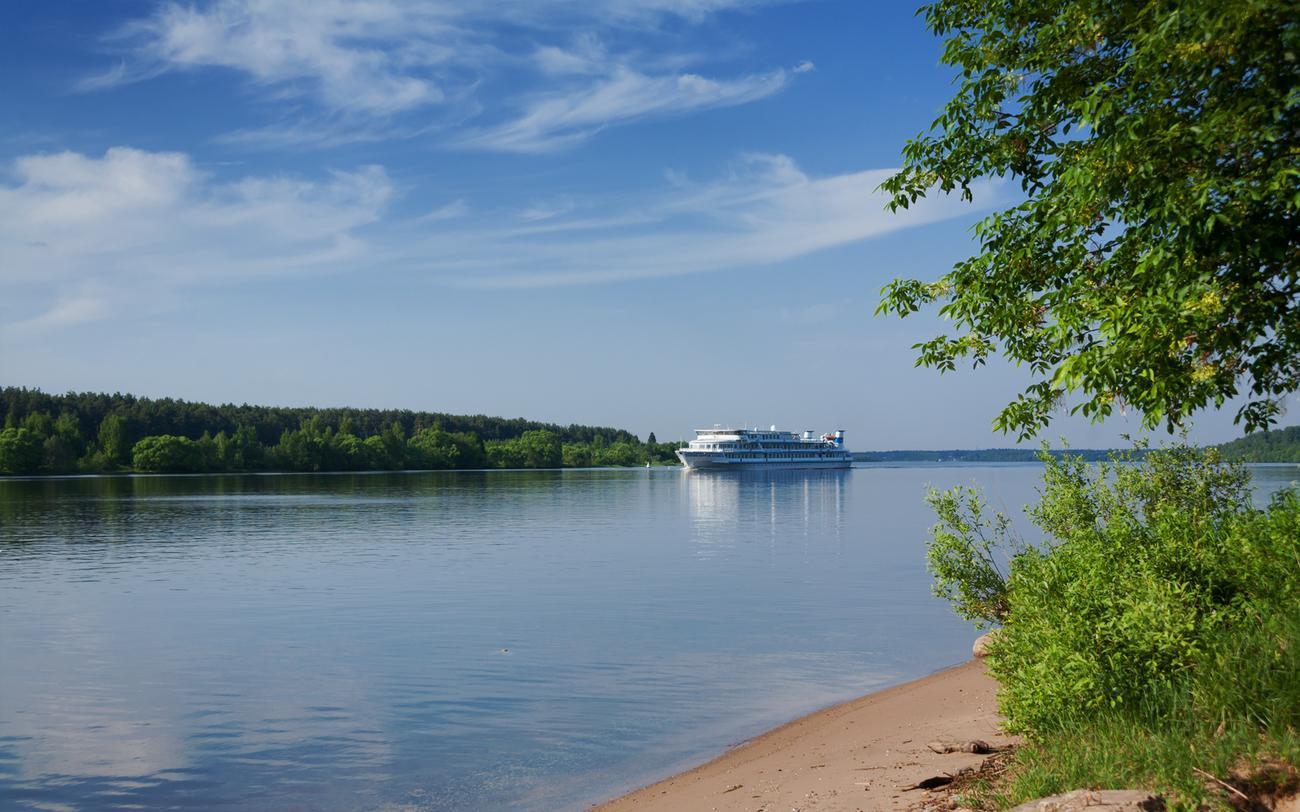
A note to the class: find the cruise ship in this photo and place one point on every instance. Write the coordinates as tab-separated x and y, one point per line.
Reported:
733	448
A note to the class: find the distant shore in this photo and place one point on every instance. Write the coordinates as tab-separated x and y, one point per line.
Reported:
860	754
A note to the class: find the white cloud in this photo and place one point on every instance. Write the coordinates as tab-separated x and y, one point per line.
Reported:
101	230
560	119
547	210
765	211
586	55
343	51
372	69
129	232
452	210
65	312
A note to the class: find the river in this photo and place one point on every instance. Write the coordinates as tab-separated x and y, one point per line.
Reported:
466	640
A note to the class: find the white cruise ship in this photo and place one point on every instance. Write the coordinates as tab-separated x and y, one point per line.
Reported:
720	447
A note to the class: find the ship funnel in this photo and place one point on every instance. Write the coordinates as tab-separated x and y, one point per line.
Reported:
839	437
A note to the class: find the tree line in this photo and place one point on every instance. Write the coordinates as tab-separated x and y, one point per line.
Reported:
1278	445
94	433
981	455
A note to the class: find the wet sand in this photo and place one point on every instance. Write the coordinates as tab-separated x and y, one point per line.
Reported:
858	755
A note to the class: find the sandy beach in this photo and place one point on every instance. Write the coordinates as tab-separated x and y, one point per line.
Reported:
859	755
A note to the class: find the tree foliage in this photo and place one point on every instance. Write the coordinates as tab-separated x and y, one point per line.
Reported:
113	439
20	451
963	555
1152	259
1278	445
167	453
94	433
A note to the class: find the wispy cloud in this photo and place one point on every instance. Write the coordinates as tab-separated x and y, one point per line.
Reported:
452	210
98	231
88	237
765	210
555	120
374	69
547	210
66	311
373	57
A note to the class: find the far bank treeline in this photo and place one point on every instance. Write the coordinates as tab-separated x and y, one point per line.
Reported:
1276	445
92	433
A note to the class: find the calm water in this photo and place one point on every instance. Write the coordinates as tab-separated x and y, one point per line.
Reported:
447	641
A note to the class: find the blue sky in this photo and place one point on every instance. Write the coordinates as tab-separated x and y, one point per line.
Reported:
654	214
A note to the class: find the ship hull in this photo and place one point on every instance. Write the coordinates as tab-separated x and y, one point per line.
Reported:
716	462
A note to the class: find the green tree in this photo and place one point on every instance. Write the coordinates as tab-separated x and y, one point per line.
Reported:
64	444
113	439
376	454
432	448
238	452
506	454
304	449
1152	261
469	450
167	453
40	424
348	452
540	449
20	451
577	455
619	454
208	453
393	441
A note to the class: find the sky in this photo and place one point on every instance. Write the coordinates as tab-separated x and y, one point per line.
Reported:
650	214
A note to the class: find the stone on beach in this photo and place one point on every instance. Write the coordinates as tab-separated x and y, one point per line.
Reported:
981	647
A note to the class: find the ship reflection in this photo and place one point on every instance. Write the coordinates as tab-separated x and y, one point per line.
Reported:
735	507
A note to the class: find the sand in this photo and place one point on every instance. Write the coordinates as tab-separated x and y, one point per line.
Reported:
855	756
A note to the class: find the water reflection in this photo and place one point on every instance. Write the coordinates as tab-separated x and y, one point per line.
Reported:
731	507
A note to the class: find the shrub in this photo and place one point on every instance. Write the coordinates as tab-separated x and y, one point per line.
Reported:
167	453
1147	570
962	555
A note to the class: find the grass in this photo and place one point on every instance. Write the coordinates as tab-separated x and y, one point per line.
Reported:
1232	721
1114	753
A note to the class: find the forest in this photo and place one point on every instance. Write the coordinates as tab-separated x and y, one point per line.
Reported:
1277	445
90	432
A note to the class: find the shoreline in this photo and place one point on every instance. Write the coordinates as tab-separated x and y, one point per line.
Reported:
859	754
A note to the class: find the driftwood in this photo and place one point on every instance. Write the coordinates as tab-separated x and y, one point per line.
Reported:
933	782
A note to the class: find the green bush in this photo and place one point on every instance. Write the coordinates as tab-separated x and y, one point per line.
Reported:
532	449
20	451
1148	570
167	453
963	552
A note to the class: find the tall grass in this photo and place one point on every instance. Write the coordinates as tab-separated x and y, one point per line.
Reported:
1237	708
